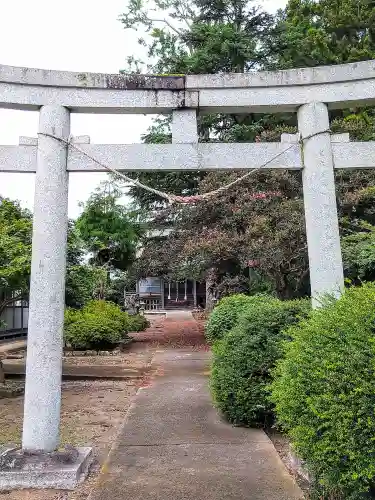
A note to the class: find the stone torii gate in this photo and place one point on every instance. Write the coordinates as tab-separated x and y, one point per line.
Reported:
55	94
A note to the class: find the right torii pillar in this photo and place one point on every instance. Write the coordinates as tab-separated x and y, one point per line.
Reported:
322	228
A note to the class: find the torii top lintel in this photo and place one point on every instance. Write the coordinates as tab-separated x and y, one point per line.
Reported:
338	86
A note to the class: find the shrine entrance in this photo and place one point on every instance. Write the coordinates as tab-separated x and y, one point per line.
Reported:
55	153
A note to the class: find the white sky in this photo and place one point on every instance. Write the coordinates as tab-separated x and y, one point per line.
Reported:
73	35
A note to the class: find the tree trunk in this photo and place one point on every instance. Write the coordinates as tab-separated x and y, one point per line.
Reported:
210	289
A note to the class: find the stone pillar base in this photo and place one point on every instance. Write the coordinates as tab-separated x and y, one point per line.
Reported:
62	470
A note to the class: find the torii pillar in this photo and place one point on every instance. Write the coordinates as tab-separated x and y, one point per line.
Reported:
47	289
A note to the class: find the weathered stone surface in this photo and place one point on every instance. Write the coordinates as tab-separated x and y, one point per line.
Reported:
42	77
29	88
60	470
47	285
319	195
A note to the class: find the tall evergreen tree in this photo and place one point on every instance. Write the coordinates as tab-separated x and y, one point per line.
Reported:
316	32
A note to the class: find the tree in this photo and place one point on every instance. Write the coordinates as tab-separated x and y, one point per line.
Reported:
15	252
107	229
216	238
111	234
201	37
312	33
193	37
83	283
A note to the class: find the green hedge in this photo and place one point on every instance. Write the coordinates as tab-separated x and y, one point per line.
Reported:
225	315
324	392
99	325
109	310
138	323
245	356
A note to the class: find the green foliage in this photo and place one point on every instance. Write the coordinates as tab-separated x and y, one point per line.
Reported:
82	284
358	251
107	229
138	323
244	357
15	251
324	393
75	246
92	331
315	32
226	314
71	315
99	325
110	310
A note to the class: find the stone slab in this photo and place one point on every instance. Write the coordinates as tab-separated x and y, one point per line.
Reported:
178	315
179	355
14	346
301	76
40	473
188	157
81	372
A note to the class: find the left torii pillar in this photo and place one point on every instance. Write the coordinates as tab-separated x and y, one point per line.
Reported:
41	421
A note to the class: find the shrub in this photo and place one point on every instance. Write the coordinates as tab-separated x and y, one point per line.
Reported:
99	325
90	331
324	392
225	315
245	356
111	311
138	323
71	315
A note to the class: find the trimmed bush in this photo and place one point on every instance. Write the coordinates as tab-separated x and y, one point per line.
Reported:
138	323
111	310
91	331
71	315
225	315
99	325
324	392
244	358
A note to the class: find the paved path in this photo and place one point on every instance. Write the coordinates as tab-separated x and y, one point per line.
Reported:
180	315
173	445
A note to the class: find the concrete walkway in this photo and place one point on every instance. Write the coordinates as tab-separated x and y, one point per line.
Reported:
180	314
174	445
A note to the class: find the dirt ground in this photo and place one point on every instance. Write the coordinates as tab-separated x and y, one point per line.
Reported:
174	333
93	411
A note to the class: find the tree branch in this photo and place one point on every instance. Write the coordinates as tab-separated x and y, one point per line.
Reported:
167	23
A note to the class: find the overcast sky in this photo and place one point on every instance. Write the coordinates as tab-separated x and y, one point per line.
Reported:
74	35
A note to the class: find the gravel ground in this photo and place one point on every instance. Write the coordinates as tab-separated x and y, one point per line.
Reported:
92	412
